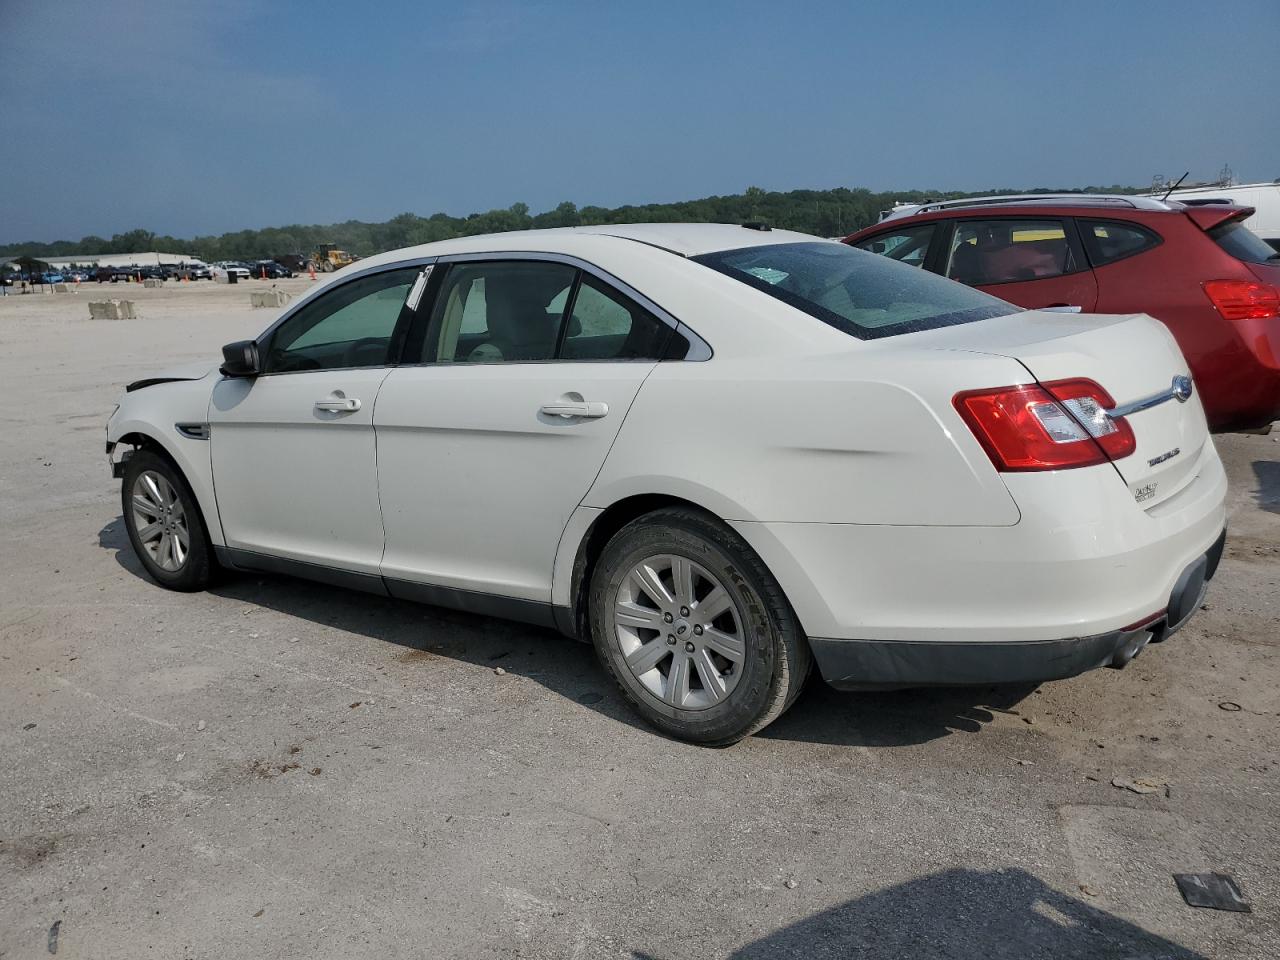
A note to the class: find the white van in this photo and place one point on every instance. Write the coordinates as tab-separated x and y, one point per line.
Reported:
1263	197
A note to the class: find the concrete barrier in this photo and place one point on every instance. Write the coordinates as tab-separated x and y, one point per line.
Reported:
63	288
112	310
152	283
268	298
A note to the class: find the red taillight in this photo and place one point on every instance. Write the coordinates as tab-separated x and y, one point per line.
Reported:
1054	426
1243	299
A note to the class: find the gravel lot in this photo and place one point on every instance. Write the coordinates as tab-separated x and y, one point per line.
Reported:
278	769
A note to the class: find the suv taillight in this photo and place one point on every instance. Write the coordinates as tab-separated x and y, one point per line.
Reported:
1243	299
1052	426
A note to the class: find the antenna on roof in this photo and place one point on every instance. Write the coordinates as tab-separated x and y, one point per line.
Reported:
1175	186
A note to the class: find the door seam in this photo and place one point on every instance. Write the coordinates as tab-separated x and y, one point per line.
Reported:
377	472
599	470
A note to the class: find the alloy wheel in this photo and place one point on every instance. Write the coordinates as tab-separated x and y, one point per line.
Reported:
679	631
160	521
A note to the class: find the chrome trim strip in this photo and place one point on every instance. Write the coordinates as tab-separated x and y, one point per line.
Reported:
193	431
1146	403
418	286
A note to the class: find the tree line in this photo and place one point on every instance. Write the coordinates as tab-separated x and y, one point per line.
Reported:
827	213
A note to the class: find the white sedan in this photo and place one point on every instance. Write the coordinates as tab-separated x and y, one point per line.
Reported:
719	453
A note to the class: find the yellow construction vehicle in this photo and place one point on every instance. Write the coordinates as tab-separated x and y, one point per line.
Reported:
329	258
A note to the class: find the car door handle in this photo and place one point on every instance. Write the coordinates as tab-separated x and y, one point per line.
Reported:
586	409
345	405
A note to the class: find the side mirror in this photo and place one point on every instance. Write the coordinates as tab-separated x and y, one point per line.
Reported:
240	359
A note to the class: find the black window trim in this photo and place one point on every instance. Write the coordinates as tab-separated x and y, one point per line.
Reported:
399	331
419	332
1089	240
1069	230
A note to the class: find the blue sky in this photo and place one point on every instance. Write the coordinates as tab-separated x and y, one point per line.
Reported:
190	118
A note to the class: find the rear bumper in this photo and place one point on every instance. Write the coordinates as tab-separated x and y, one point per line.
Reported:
894	664
1084	560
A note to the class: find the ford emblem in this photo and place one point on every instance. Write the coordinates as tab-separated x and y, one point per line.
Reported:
1182	388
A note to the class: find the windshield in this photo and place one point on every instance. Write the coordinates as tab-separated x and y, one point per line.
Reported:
859	293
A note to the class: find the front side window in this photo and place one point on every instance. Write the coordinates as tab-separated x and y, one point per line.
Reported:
863	295
350	326
909	245
1008	251
1109	240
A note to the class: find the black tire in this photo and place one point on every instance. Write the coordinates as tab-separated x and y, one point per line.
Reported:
198	565
777	658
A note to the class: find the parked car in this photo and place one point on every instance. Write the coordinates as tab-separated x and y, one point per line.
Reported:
1196	268
77	276
270	270
718	453
195	271
1264	198
52	276
238	270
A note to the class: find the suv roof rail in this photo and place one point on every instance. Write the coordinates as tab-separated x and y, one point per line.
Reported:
1092	199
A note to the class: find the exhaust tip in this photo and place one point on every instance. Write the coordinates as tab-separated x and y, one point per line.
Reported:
1129	648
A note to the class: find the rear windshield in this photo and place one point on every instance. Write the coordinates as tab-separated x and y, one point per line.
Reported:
1242	243
862	294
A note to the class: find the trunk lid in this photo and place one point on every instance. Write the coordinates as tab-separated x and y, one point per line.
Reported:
1134	358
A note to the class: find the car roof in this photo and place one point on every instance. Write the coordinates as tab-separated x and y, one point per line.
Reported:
682	239
695	239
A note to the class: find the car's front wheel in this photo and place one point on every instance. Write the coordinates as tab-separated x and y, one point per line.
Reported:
164	523
695	629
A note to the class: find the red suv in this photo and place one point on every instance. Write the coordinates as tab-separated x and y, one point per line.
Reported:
1193	266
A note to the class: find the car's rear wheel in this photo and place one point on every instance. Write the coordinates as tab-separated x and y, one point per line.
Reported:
695	629
164	523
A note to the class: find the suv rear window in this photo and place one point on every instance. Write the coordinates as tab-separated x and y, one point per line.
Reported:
1242	243
859	293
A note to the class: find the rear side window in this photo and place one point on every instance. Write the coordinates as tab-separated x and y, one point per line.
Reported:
1009	251
604	326
1108	240
910	245
1242	243
523	311
863	295
502	311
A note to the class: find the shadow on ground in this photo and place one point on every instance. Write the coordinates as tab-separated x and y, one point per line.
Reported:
570	669
1268	493
963	915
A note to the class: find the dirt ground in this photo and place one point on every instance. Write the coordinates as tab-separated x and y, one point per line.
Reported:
278	769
